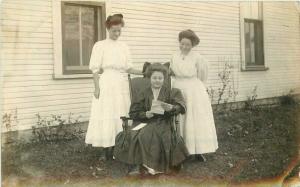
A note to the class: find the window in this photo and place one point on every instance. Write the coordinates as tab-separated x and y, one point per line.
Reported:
77	25
80	26
254	51
252	44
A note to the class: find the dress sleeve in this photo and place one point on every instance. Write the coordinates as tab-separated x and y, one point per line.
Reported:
177	101
137	109
96	58
202	69
128	58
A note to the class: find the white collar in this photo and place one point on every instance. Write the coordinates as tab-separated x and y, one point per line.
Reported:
155	93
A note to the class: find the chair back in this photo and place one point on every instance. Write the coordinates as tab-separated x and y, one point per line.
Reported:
139	84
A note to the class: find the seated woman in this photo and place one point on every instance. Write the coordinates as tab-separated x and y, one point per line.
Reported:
153	143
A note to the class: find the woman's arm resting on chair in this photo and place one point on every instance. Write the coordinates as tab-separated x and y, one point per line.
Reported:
177	105
137	109
176	109
178	100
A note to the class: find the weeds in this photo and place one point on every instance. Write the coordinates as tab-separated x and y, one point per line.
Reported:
250	103
56	129
226	92
9	118
264	149
6	120
287	99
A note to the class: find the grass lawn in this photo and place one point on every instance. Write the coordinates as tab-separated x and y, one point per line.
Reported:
253	146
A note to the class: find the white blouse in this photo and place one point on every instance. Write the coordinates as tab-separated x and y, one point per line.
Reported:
155	93
110	54
191	65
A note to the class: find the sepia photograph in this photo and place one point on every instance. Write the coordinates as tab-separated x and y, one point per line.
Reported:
150	93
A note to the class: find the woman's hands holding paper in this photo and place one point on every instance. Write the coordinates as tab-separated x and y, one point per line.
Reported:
167	107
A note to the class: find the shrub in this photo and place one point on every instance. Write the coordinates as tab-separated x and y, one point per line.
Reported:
287	99
56	129
226	92
9	118
250	102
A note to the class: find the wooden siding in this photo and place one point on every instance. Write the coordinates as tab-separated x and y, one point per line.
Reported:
151	31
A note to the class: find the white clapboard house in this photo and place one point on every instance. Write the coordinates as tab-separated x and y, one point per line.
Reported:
46	46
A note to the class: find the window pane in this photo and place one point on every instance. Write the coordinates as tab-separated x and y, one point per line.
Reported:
71	48
88	32
254	52
259	44
247	43
252	43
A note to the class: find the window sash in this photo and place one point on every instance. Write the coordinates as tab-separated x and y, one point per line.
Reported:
254	49
99	34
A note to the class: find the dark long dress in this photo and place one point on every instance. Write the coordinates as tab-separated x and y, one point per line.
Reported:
156	145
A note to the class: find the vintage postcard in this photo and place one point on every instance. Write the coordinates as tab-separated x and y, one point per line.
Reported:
78	78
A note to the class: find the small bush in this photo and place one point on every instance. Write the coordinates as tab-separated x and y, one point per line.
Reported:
250	102
287	99
226	92
56	129
8	119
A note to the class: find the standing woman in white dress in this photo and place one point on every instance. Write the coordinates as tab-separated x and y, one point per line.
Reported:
111	99
190	69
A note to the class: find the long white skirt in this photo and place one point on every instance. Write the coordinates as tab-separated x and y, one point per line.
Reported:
197	126
114	102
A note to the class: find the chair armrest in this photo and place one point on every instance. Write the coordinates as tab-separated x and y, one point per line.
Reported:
176	125
125	122
124	118
176	118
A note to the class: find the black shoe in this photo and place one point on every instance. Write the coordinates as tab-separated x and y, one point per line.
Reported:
200	158
102	158
134	171
109	153
177	168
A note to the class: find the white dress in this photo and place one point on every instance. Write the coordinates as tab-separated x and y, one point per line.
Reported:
114	100
197	125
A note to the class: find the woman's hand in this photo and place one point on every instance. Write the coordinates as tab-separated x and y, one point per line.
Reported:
149	114
167	107
97	93
96	83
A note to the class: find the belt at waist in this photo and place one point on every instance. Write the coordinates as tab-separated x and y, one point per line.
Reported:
190	78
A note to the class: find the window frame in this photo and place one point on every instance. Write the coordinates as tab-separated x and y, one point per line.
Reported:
243	19
58	38
255	21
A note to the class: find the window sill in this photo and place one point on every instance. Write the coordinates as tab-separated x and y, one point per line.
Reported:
74	76
80	76
255	68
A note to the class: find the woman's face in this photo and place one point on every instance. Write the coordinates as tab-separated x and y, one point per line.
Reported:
185	45
157	79
115	31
